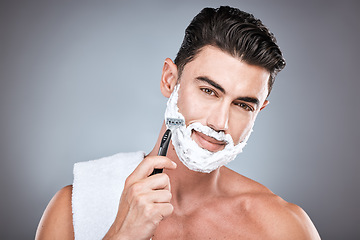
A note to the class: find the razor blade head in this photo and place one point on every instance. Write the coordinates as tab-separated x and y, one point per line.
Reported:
172	123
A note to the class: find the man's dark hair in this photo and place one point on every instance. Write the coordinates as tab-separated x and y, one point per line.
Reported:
233	31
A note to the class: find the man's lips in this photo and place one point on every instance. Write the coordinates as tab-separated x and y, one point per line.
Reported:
207	142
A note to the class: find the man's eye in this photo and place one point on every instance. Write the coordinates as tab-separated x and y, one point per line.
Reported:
208	91
245	107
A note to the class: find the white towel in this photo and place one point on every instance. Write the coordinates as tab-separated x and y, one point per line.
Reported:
97	188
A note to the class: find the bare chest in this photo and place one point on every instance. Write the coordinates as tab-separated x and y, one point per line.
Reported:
211	223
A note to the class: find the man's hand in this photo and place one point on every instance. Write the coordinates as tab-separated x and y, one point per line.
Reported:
145	201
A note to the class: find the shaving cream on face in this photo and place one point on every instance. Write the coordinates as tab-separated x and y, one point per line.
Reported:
189	152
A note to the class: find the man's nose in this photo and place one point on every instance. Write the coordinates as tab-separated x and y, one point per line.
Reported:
218	118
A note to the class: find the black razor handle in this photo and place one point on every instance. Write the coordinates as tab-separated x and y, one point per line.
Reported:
163	148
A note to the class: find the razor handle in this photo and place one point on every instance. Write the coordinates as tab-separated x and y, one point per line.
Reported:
163	148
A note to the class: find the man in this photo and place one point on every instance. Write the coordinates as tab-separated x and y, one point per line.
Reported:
218	83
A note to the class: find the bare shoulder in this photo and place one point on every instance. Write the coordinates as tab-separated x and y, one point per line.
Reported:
279	219
56	222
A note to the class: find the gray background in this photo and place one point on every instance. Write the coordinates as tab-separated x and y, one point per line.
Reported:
80	80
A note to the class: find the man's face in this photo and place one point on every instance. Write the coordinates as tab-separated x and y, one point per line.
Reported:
223	93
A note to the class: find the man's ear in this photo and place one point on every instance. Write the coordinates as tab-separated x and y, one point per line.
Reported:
168	77
266	102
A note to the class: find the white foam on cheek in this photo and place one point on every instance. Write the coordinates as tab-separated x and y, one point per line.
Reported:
189	152
172	110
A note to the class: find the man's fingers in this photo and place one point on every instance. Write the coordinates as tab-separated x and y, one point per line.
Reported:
159	196
148	185
146	167
158	181
158	162
165	209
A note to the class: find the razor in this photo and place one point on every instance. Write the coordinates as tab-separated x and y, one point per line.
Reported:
171	124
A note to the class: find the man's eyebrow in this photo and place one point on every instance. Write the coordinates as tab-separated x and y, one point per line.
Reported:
249	99
211	82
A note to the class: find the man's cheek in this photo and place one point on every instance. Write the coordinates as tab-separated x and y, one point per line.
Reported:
194	112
